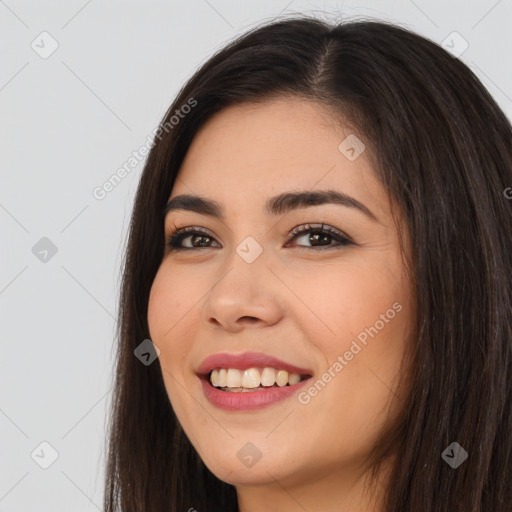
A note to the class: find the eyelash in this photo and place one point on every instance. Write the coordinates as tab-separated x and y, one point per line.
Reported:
177	236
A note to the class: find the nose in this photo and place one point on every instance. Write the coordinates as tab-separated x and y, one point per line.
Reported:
246	295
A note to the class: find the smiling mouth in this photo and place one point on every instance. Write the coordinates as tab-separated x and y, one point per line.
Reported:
233	380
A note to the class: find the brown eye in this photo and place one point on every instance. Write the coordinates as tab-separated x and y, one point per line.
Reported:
198	239
320	236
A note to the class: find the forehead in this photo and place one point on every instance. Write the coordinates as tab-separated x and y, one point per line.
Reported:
246	153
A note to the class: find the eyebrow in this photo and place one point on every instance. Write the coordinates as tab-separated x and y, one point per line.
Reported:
278	205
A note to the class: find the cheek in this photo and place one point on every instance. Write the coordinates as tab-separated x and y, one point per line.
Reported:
341	300
166	318
167	304
361	387
156	307
362	314
167	321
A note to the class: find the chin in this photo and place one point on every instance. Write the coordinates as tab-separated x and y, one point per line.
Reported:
239	469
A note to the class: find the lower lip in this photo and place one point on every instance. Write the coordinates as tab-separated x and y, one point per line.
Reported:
248	400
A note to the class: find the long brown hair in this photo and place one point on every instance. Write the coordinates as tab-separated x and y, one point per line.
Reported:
443	149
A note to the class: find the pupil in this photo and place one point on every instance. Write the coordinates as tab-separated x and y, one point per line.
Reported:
315	237
200	237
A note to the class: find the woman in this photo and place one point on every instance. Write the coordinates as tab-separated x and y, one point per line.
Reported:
320	254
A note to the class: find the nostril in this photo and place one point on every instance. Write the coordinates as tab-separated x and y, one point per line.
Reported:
249	320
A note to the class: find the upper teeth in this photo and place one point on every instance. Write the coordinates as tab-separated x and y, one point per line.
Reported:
252	377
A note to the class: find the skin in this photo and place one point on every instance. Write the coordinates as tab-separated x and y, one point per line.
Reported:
299	302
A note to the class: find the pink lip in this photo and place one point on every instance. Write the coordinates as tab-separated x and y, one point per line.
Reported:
246	400
247	360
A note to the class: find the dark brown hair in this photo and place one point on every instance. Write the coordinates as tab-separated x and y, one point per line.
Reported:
443	149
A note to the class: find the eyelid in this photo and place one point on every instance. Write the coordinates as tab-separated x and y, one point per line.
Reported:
183	232
318	227
178	234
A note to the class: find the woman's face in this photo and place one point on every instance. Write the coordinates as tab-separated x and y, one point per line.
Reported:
337	311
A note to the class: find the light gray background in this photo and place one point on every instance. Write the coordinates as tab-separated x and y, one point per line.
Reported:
68	123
